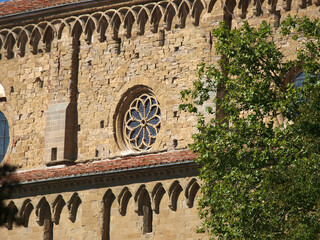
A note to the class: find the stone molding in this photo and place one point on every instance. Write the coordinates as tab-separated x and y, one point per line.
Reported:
49	198
123	177
127	163
113	24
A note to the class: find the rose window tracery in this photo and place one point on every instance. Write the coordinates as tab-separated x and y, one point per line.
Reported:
142	122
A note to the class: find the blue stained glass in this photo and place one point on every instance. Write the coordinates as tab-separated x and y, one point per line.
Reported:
146	136
298	82
2	117
140	137
147	104
4	136
142	122
143	147
133	124
153	111
152	130
135	132
154	121
141	108
135	114
2	143
144	97
2	127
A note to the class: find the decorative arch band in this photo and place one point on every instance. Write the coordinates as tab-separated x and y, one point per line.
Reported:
113	24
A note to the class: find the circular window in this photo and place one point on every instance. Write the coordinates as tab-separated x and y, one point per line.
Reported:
141	122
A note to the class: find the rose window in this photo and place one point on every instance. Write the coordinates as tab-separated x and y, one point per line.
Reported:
142	122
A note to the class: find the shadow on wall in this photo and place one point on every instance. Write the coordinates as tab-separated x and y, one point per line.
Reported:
146	204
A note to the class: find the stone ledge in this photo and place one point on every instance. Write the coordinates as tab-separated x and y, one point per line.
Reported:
124	163
60	162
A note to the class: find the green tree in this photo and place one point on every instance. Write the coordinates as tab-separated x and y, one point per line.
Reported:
261	174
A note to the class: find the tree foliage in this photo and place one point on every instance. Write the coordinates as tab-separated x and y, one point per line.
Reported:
260	163
6	184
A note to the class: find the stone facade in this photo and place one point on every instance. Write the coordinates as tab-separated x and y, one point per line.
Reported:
69	73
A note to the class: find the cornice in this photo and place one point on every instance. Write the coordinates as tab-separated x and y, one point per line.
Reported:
105	179
125	163
112	21
63	11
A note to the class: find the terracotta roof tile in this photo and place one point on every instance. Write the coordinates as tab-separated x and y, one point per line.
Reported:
125	163
20	6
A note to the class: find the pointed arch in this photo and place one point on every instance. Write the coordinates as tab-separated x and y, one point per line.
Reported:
108	199
191	191
22	42
96	16
43	214
17	31
103	24
12	211
73	205
90	27
143	208
156	15
35	39
129	21
197	9
174	192
116	21
63	25
48	36
211	5
143	16
77	29
228	10
183	12
157	194
57	207
42	210
170	12
9	44
123	200
25	212
137	198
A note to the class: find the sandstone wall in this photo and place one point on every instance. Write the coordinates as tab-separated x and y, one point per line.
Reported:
91	61
65	79
81	213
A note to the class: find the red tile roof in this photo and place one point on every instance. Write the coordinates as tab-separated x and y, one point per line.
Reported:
124	163
19	6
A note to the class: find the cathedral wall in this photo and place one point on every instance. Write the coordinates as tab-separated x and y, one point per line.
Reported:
86	65
69	83
25	81
84	216
43	76
105	77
